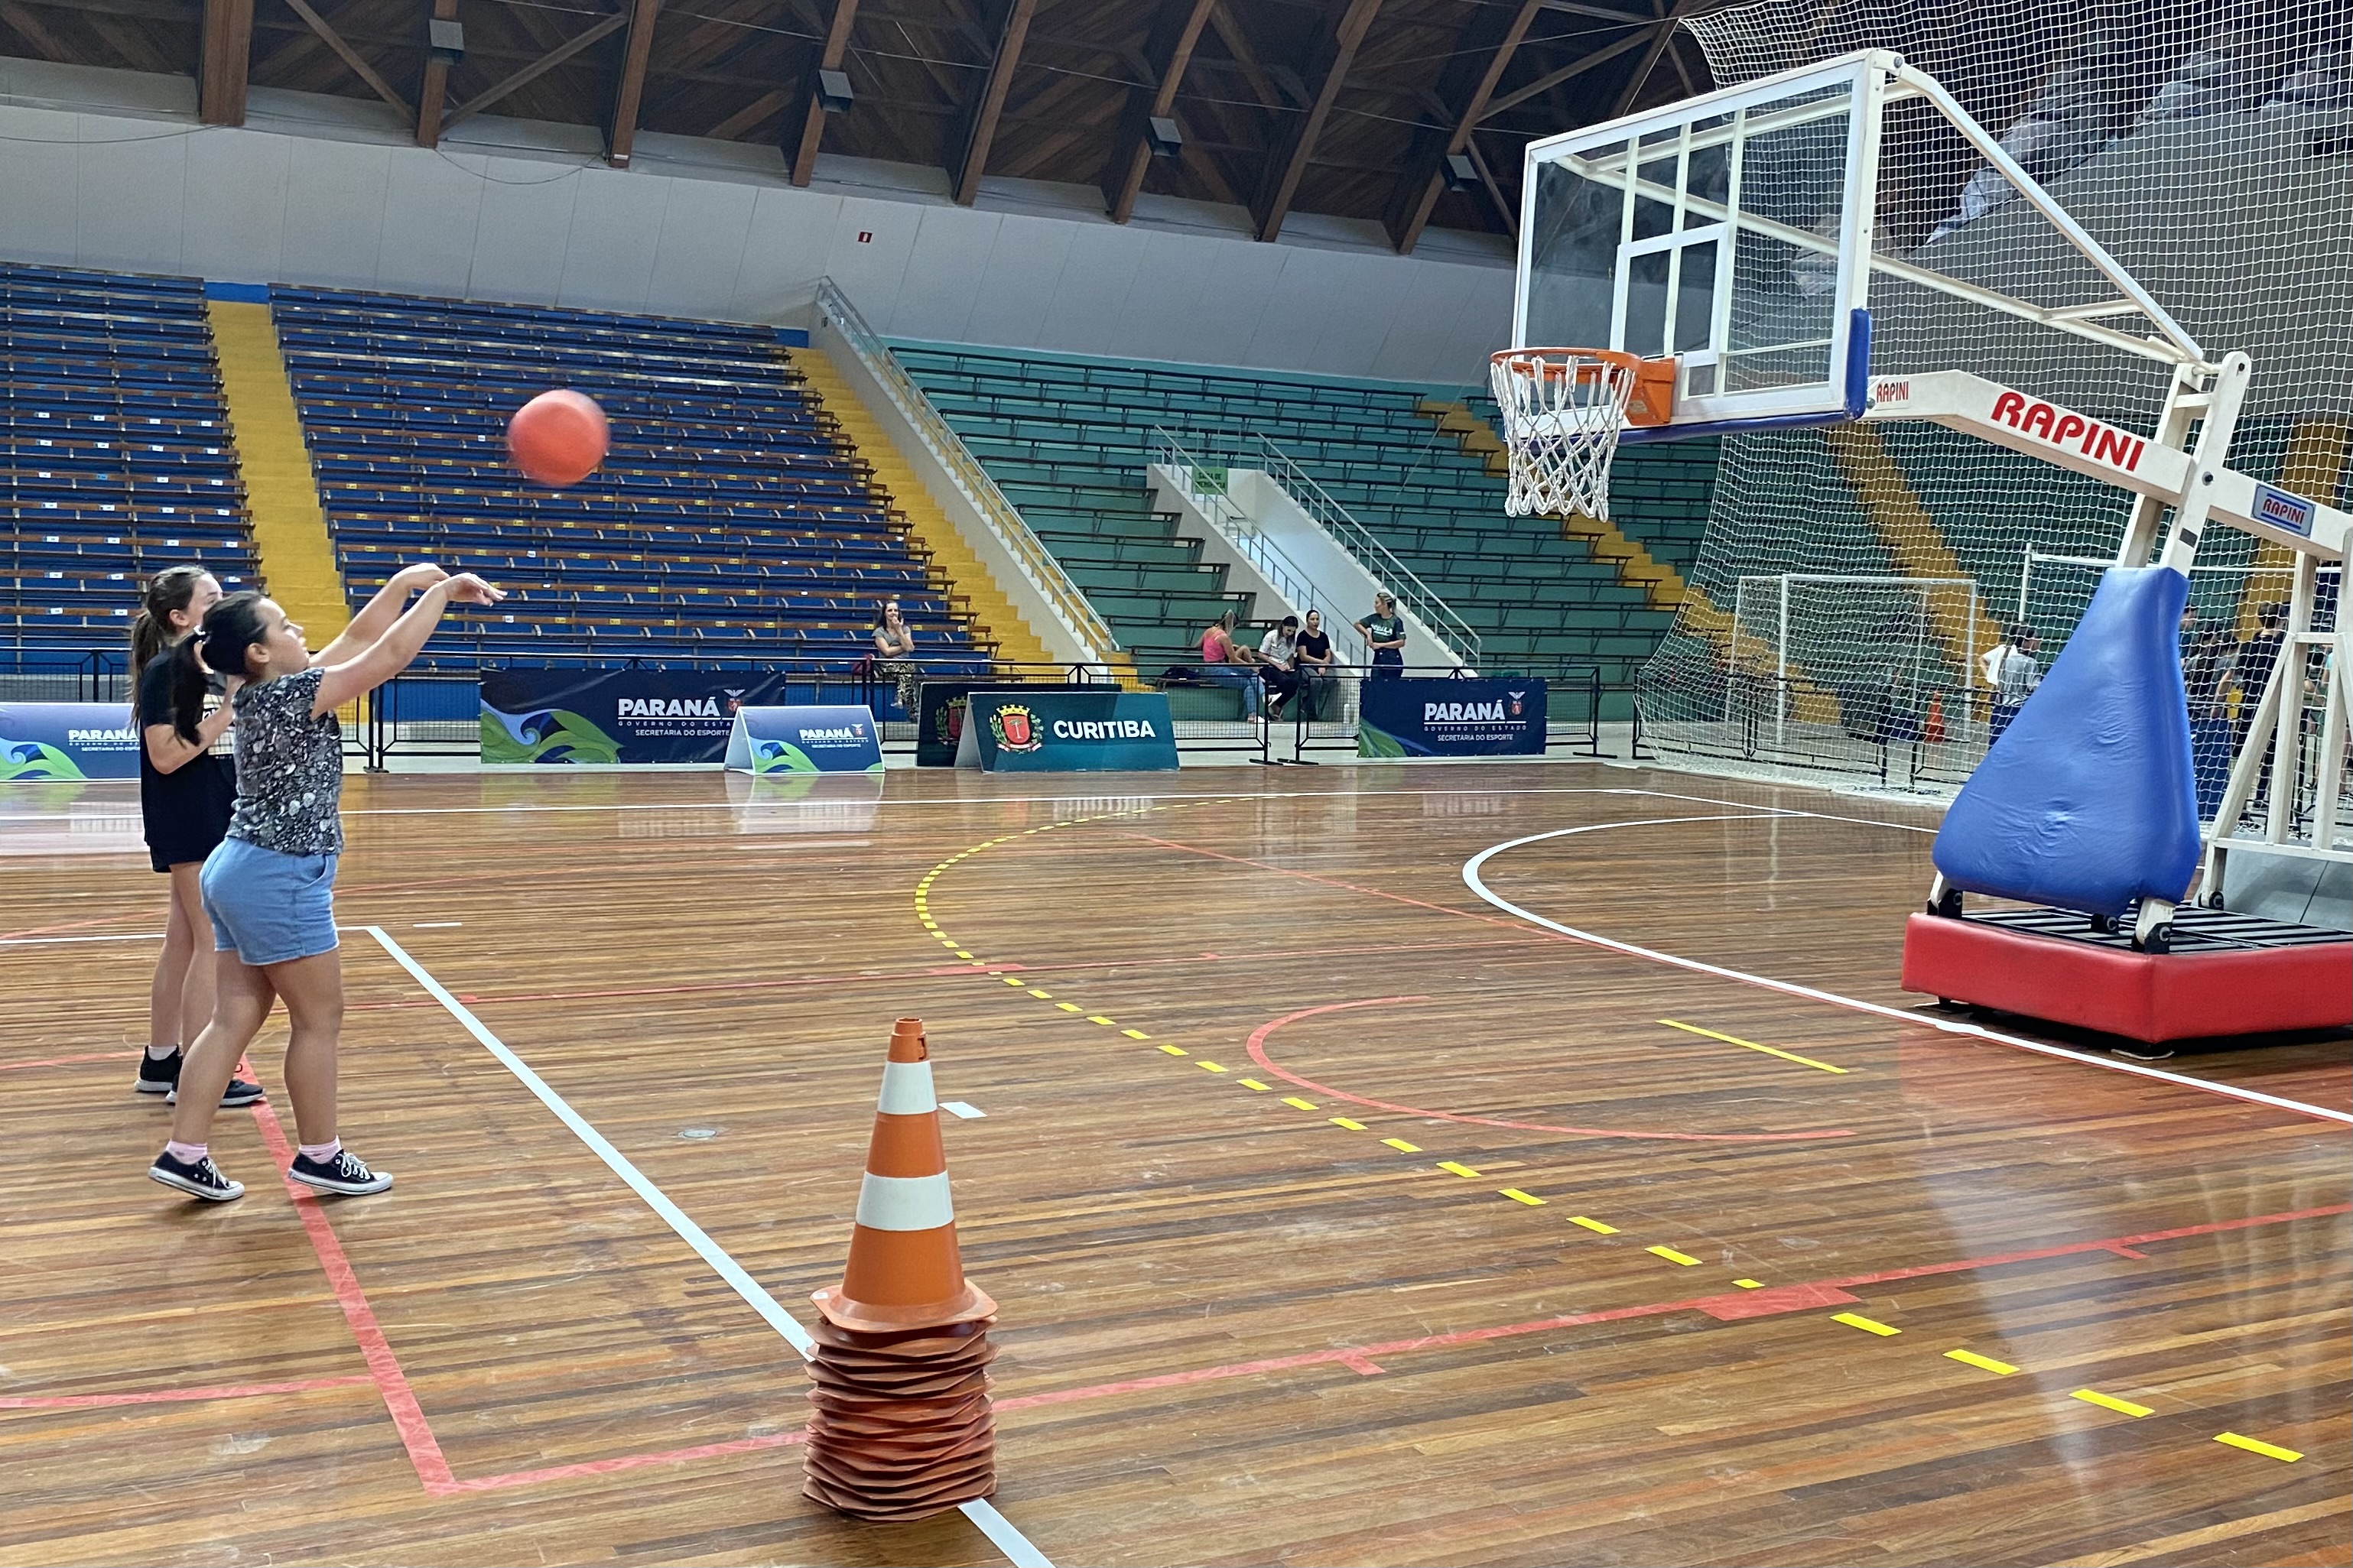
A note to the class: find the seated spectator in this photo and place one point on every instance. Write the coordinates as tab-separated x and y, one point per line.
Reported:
1227	663
1317	667
1277	654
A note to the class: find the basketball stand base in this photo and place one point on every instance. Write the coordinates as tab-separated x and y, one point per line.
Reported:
2226	973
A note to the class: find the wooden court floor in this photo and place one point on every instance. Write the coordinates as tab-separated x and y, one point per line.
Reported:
1338	1214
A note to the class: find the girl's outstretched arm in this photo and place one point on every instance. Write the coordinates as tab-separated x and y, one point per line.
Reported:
391	652
377	615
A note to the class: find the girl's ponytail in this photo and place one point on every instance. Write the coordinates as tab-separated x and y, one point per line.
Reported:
171	589
231	628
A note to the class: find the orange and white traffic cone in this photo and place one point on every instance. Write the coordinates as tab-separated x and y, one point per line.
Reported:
1932	732
901	1427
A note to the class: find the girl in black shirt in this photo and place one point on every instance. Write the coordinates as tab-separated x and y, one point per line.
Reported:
186	790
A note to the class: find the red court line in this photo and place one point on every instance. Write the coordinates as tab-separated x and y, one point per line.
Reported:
1257	1047
625	1462
384	1367
1358	1357
70	1061
180	1396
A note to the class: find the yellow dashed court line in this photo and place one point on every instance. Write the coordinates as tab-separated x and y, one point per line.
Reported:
1176	1050
1982	1362
1010	980
1685	1259
1297	1103
1518	1196
1253	1083
1594	1226
1736	1040
1066	1007
962	954
1136	1033
2109	1402
1209	1067
1041	995
1868	1325
1401	1146
1450	1166
2269	1451
1351	1125
1750	1284
1099	1018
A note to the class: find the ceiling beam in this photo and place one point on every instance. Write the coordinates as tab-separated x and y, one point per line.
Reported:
36	34
1495	191
621	126
1469	80
989	102
1569	72
537	69
1245	59
1175	35
433	88
1328	69
224	56
836	49
1660	37
351	56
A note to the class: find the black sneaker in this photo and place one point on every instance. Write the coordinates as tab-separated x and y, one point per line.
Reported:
345	1173
241	1092
202	1179
158	1077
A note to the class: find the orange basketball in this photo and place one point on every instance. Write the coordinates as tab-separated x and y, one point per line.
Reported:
558	437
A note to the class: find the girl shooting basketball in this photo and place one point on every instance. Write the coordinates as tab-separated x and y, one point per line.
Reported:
268	888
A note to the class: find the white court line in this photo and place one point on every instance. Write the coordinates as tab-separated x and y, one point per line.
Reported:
60	941
1472	879
993	1524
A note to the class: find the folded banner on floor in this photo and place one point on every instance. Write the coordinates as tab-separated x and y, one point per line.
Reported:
40	741
804	741
939	716
1071	729
573	716
1450	717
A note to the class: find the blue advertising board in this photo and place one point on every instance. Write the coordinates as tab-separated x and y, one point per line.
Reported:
804	741
41	743
1451	718
1068	730
554	717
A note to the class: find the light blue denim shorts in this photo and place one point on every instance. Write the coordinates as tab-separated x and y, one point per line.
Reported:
269	908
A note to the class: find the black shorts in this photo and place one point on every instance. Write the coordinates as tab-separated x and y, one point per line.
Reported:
186	813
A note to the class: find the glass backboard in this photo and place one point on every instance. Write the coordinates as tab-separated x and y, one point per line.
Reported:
1730	230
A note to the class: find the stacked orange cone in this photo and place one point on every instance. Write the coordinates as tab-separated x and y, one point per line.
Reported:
902	1427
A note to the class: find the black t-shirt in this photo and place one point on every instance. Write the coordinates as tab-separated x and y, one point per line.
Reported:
186	811
1316	645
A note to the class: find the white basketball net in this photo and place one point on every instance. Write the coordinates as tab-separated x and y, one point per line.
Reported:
1563	410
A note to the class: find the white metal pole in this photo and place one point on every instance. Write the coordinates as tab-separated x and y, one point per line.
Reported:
1781	682
2288	757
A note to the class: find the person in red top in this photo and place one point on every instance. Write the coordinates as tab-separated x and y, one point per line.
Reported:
1227	663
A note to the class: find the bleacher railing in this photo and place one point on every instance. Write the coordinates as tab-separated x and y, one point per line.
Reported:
1197	479
1253	449
1004	522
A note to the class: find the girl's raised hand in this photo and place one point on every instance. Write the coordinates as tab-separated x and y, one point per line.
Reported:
468	589
419	575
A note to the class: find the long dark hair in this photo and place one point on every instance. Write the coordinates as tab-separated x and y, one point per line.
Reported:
230	628
172	588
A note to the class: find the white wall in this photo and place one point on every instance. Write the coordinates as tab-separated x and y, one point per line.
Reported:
108	169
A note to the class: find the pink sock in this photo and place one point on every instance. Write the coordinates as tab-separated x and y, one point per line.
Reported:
319	1154
186	1154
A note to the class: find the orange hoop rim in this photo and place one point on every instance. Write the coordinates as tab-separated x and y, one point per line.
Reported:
1519	361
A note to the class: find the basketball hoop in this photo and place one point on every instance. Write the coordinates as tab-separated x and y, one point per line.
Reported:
1563	411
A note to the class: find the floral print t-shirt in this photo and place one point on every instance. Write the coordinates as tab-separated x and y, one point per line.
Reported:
289	768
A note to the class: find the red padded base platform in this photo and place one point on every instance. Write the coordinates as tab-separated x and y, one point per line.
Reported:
2141	996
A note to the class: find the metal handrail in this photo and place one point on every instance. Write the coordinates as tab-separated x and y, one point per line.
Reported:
1242	531
1000	515
1359	541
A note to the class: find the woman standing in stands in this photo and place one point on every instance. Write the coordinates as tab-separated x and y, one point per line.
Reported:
894	657
268	890
1384	635
187	786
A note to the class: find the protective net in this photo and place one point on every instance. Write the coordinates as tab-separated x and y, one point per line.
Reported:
2209	145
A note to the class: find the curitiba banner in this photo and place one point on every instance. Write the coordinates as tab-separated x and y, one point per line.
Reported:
1451	718
572	716
1066	730
42	743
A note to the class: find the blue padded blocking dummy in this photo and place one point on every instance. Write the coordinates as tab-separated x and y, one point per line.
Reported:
2089	800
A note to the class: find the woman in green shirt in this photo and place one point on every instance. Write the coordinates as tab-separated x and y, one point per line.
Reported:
1384	635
